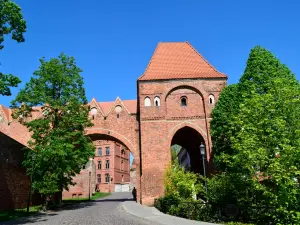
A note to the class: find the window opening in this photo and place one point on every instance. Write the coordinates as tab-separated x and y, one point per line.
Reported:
183	101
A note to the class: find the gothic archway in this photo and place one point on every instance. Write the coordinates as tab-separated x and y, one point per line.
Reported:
187	141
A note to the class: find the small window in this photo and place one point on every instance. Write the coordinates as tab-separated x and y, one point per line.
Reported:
107	164
147	102
118	116
99	178
99	165
107	151
184	101
157	101
99	151
211	99
107	178
94	112
122	152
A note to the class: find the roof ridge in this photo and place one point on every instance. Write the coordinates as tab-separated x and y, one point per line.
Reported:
159	43
175	60
203	58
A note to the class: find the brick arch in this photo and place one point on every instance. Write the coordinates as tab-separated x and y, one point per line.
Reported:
115	135
183	87
197	128
207	144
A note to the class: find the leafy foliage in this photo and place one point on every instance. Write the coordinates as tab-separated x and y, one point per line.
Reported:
11	22
180	183
59	145
255	132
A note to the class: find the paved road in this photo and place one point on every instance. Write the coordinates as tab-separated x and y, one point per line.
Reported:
104	211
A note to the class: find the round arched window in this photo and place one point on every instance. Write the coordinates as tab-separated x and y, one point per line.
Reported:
211	99
183	101
118	109
94	111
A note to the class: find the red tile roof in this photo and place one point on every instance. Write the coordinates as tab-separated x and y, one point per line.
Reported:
106	106
178	60
13	128
131	106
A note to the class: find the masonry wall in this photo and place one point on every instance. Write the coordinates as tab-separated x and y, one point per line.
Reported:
160	123
120	127
14	185
85	183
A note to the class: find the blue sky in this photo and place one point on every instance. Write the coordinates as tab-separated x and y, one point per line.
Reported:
113	41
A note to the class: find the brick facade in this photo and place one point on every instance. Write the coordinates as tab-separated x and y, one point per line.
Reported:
175	97
14	185
85	183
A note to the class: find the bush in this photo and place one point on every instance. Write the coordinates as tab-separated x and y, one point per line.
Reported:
180	183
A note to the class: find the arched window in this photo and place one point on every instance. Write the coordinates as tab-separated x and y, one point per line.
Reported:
211	99
99	165
183	101
107	151
107	164
147	102
157	101
99	151
94	112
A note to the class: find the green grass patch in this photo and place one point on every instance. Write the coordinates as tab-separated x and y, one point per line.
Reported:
96	196
18	213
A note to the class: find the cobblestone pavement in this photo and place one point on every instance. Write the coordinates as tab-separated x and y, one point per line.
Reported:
103	211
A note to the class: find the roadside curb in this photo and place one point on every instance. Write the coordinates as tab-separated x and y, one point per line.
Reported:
153	215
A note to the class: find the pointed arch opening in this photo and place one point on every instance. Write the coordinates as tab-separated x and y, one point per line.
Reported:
157	101
185	147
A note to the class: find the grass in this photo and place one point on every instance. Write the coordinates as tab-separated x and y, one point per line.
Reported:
18	213
96	196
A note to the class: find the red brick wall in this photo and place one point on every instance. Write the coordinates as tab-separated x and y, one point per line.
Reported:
85	180
14	185
123	130
159	124
115	171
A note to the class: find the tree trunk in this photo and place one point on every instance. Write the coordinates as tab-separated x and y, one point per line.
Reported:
45	202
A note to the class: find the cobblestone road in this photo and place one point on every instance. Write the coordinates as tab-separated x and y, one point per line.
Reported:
104	211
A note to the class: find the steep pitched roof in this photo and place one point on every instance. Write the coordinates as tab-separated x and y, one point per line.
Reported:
178	60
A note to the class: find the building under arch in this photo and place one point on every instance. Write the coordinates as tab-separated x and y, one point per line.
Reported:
175	97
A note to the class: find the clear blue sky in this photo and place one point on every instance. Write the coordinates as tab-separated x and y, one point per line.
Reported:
113	41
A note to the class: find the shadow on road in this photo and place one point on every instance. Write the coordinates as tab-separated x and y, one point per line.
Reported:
44	216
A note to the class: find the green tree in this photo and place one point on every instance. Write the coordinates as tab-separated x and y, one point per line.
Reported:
256	130
59	145
11	23
221	130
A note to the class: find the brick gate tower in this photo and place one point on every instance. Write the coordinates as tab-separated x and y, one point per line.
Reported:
176	95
